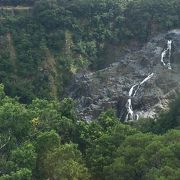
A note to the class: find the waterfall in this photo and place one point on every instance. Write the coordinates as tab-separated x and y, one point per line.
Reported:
130	113
129	103
167	53
166	61
147	78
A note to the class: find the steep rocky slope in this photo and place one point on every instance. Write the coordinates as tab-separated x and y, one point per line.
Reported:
109	87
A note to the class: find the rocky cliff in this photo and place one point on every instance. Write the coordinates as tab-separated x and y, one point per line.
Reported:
109	87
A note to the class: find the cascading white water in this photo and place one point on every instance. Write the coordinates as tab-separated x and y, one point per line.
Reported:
142	82
129	103
132	92
130	113
162	57
164	54
147	78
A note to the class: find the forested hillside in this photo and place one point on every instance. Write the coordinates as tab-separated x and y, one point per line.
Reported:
46	140
44	45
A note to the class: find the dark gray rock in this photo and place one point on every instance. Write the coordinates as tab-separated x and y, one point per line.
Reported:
109	87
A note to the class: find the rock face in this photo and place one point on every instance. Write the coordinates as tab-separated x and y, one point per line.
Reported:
108	88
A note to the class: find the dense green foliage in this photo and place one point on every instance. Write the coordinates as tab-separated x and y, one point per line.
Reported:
43	46
46	140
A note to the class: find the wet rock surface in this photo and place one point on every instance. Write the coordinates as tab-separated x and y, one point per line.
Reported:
109	87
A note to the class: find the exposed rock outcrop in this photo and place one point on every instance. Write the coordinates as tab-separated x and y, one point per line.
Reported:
95	92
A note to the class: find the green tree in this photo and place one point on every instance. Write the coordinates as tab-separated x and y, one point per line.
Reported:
101	152
22	174
65	162
46	142
14	119
24	156
146	156
169	120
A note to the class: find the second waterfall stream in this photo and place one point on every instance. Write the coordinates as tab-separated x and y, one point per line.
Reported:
133	91
166	61
166	55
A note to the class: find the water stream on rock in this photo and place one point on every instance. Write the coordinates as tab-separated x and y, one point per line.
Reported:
166	60
132	93
167	53
130	113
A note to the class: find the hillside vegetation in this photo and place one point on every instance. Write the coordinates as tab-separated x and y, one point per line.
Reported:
75	35
43	44
46	140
